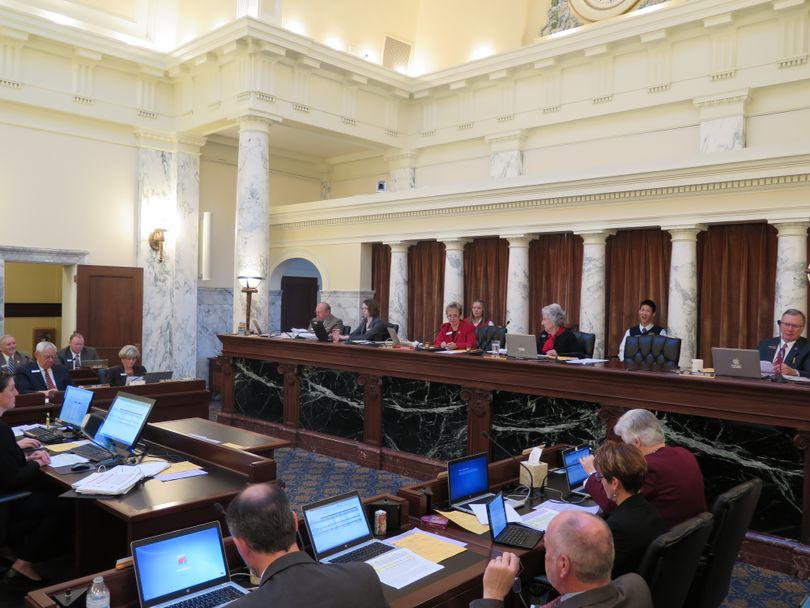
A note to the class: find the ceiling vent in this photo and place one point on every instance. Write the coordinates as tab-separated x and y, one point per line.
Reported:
396	54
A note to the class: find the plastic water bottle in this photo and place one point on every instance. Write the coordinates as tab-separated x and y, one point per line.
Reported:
98	596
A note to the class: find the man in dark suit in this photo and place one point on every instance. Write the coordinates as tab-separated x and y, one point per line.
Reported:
789	351
579	558
75	352
264	529
646	325
42	375
11	358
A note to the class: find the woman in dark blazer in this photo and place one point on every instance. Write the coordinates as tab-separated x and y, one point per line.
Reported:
635	523
556	340
117	375
371	327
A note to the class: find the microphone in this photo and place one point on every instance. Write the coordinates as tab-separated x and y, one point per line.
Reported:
491	439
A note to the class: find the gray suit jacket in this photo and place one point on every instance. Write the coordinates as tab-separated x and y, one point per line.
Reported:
331	322
20	359
628	591
295	580
66	356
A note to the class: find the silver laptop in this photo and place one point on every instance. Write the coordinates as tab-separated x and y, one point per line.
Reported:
394	336
521	346
738	362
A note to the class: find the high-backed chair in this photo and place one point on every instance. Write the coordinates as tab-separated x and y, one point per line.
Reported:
732	512
485	334
587	342
347	329
5	501
652	352
670	561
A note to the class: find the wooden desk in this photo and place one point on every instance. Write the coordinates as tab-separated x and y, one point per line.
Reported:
255	443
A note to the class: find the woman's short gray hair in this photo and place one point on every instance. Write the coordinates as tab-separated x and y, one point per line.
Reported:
639	424
555	313
129	352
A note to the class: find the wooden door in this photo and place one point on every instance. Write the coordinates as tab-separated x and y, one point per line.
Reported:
299	296
109	308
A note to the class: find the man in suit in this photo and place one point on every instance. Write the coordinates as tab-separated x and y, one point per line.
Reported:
646	325
323	313
579	558
75	352
264	529
42	375
789	351
11	357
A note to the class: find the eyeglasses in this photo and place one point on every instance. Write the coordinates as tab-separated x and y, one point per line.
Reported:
789	325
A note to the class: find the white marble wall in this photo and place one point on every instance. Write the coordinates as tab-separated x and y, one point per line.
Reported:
722	134
398	287
791	263
592	301
454	273
517	285
403	178
682	307
214	316
506	163
252	244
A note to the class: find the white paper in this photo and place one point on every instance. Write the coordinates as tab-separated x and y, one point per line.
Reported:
402	567
567	506
766	367
534	455
118	480
796	379
586	361
66	458
451	352
539	518
153	467
480	511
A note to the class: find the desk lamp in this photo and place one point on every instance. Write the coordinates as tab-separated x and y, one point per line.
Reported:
250	284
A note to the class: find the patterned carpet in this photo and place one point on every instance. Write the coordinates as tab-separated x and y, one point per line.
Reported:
753	587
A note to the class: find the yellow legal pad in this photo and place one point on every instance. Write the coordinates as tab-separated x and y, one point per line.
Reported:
466	521
58	448
429	546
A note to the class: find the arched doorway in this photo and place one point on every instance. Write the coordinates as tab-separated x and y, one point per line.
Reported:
294	285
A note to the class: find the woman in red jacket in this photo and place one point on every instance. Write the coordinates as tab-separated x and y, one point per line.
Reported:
456	333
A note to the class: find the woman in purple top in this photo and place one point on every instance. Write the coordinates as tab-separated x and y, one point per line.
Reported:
674	483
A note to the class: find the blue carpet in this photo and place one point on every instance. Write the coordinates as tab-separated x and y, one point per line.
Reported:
753	587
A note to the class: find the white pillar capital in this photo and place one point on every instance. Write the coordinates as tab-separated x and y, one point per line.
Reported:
594	237
518	241
399	246
790	228
685	233
452	243
257	122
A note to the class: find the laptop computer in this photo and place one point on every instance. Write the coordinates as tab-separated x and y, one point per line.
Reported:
75	405
521	346
468	482
121	429
394	337
574	472
504	532
737	362
185	564
154	377
320	331
339	530
93	363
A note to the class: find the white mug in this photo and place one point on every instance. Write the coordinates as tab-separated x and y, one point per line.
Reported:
697	365
495	345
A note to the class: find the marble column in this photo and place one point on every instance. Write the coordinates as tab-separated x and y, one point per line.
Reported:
592	300
682	312
791	264
401	170
346	303
454	272
252	246
505	154
398	287
517	284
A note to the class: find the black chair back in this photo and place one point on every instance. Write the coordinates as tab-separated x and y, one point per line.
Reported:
732	512
670	561
347	329
587	342
485	334
652	352
5	500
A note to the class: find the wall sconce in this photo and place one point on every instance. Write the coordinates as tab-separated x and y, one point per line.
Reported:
156	240
250	284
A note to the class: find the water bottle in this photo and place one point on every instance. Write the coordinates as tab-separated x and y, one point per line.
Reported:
98	596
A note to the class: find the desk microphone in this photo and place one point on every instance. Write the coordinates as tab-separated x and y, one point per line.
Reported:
491	439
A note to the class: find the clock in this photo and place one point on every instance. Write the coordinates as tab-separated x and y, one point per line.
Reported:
596	10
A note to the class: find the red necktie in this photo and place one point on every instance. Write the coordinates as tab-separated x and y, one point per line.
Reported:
780	356
48	382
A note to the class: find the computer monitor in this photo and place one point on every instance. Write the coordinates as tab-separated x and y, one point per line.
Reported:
75	405
124	423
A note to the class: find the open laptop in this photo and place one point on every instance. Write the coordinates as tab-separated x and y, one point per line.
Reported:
339	530
93	363
738	362
574	472
154	377
392	333
505	533
184	565
121	429
468	482
521	346
75	405
320	331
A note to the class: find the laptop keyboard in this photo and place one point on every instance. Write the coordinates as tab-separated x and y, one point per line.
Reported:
514	534
363	554
91	452
211	599
44	435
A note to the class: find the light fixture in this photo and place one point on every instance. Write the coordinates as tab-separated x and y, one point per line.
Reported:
250	284
156	240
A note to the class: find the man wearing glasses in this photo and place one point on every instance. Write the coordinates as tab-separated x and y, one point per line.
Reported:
789	352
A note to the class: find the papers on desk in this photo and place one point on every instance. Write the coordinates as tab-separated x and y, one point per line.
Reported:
457	351
64	460
181	470
465	520
118	480
432	547
57	448
796	379
402	567
539	518
480	511
560	506
585	361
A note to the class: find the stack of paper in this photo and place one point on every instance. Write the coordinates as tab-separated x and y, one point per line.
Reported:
118	480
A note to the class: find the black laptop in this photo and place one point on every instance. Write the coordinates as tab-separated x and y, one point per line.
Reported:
505	533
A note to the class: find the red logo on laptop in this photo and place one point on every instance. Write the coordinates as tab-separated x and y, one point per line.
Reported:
181	560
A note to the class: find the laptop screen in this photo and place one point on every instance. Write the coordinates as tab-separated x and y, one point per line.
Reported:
496	511
75	405
576	474
467	476
126	419
174	564
336	523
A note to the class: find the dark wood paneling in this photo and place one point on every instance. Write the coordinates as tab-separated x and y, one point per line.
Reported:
33	309
299	295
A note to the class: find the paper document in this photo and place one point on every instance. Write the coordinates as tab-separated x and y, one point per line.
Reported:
539	518
63	460
480	511
585	361
65	447
402	567
560	506
153	467
465	520
179	467
796	379
766	367
432	547
118	480
181	475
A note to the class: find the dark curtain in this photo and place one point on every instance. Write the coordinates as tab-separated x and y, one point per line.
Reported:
555	275
425	290
381	275
637	268
736	267
486	263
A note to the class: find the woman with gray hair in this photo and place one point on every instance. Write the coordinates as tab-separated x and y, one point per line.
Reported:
118	375
556	340
674	483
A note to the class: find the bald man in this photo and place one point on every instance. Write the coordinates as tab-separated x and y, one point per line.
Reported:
323	313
